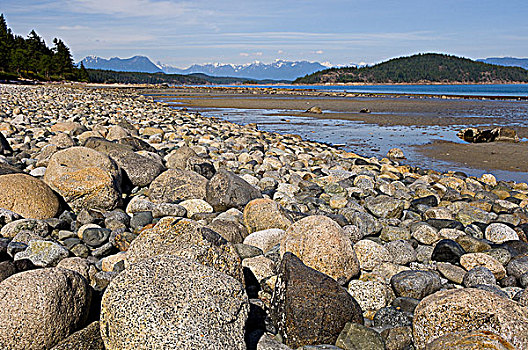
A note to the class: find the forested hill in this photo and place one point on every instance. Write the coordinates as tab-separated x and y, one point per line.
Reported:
421	68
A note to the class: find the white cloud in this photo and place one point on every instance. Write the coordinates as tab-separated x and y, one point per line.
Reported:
319	52
75	27
130	8
258	54
244	54
280	52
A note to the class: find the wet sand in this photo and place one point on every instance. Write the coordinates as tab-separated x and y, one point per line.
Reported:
489	156
390	110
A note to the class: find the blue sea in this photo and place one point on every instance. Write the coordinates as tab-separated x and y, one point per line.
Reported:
492	90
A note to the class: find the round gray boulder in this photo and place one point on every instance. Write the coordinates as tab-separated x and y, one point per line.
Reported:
39	308
172	303
322	245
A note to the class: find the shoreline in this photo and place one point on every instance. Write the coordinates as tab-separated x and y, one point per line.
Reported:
275	88
385	111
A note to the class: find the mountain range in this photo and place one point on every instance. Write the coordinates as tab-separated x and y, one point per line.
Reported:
507	61
132	64
278	70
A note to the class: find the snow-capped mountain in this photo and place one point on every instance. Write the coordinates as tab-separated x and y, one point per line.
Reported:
278	70
132	64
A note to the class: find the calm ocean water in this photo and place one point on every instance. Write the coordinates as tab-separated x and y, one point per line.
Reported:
508	90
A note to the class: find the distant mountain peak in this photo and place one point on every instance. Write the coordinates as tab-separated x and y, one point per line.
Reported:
133	64
506	61
276	70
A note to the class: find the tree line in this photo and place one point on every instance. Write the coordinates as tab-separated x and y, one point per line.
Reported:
31	58
108	76
421	68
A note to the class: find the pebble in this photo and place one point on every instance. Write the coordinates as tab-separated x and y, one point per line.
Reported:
371	254
499	233
265	239
471	260
356	336
192	206
447	250
478	275
43	253
370	295
415	284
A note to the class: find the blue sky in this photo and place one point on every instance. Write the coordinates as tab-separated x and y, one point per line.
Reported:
337	31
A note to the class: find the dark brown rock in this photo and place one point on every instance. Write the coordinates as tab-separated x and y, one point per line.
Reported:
7	268
476	135
8	169
5	148
309	307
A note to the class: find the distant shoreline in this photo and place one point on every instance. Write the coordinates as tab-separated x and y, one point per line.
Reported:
267	89
412	84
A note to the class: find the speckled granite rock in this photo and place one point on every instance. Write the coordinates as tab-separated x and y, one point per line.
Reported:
88	338
466	310
322	245
39	308
167	302
85	178
188	239
27	196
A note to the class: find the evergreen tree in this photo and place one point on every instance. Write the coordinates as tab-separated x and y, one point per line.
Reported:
62	59
36	49
83	74
19	61
6	43
45	66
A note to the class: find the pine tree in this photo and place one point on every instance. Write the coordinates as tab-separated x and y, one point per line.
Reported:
62	58
83	74
36	49
6	43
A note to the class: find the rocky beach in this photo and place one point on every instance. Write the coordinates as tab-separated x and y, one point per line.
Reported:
128	224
